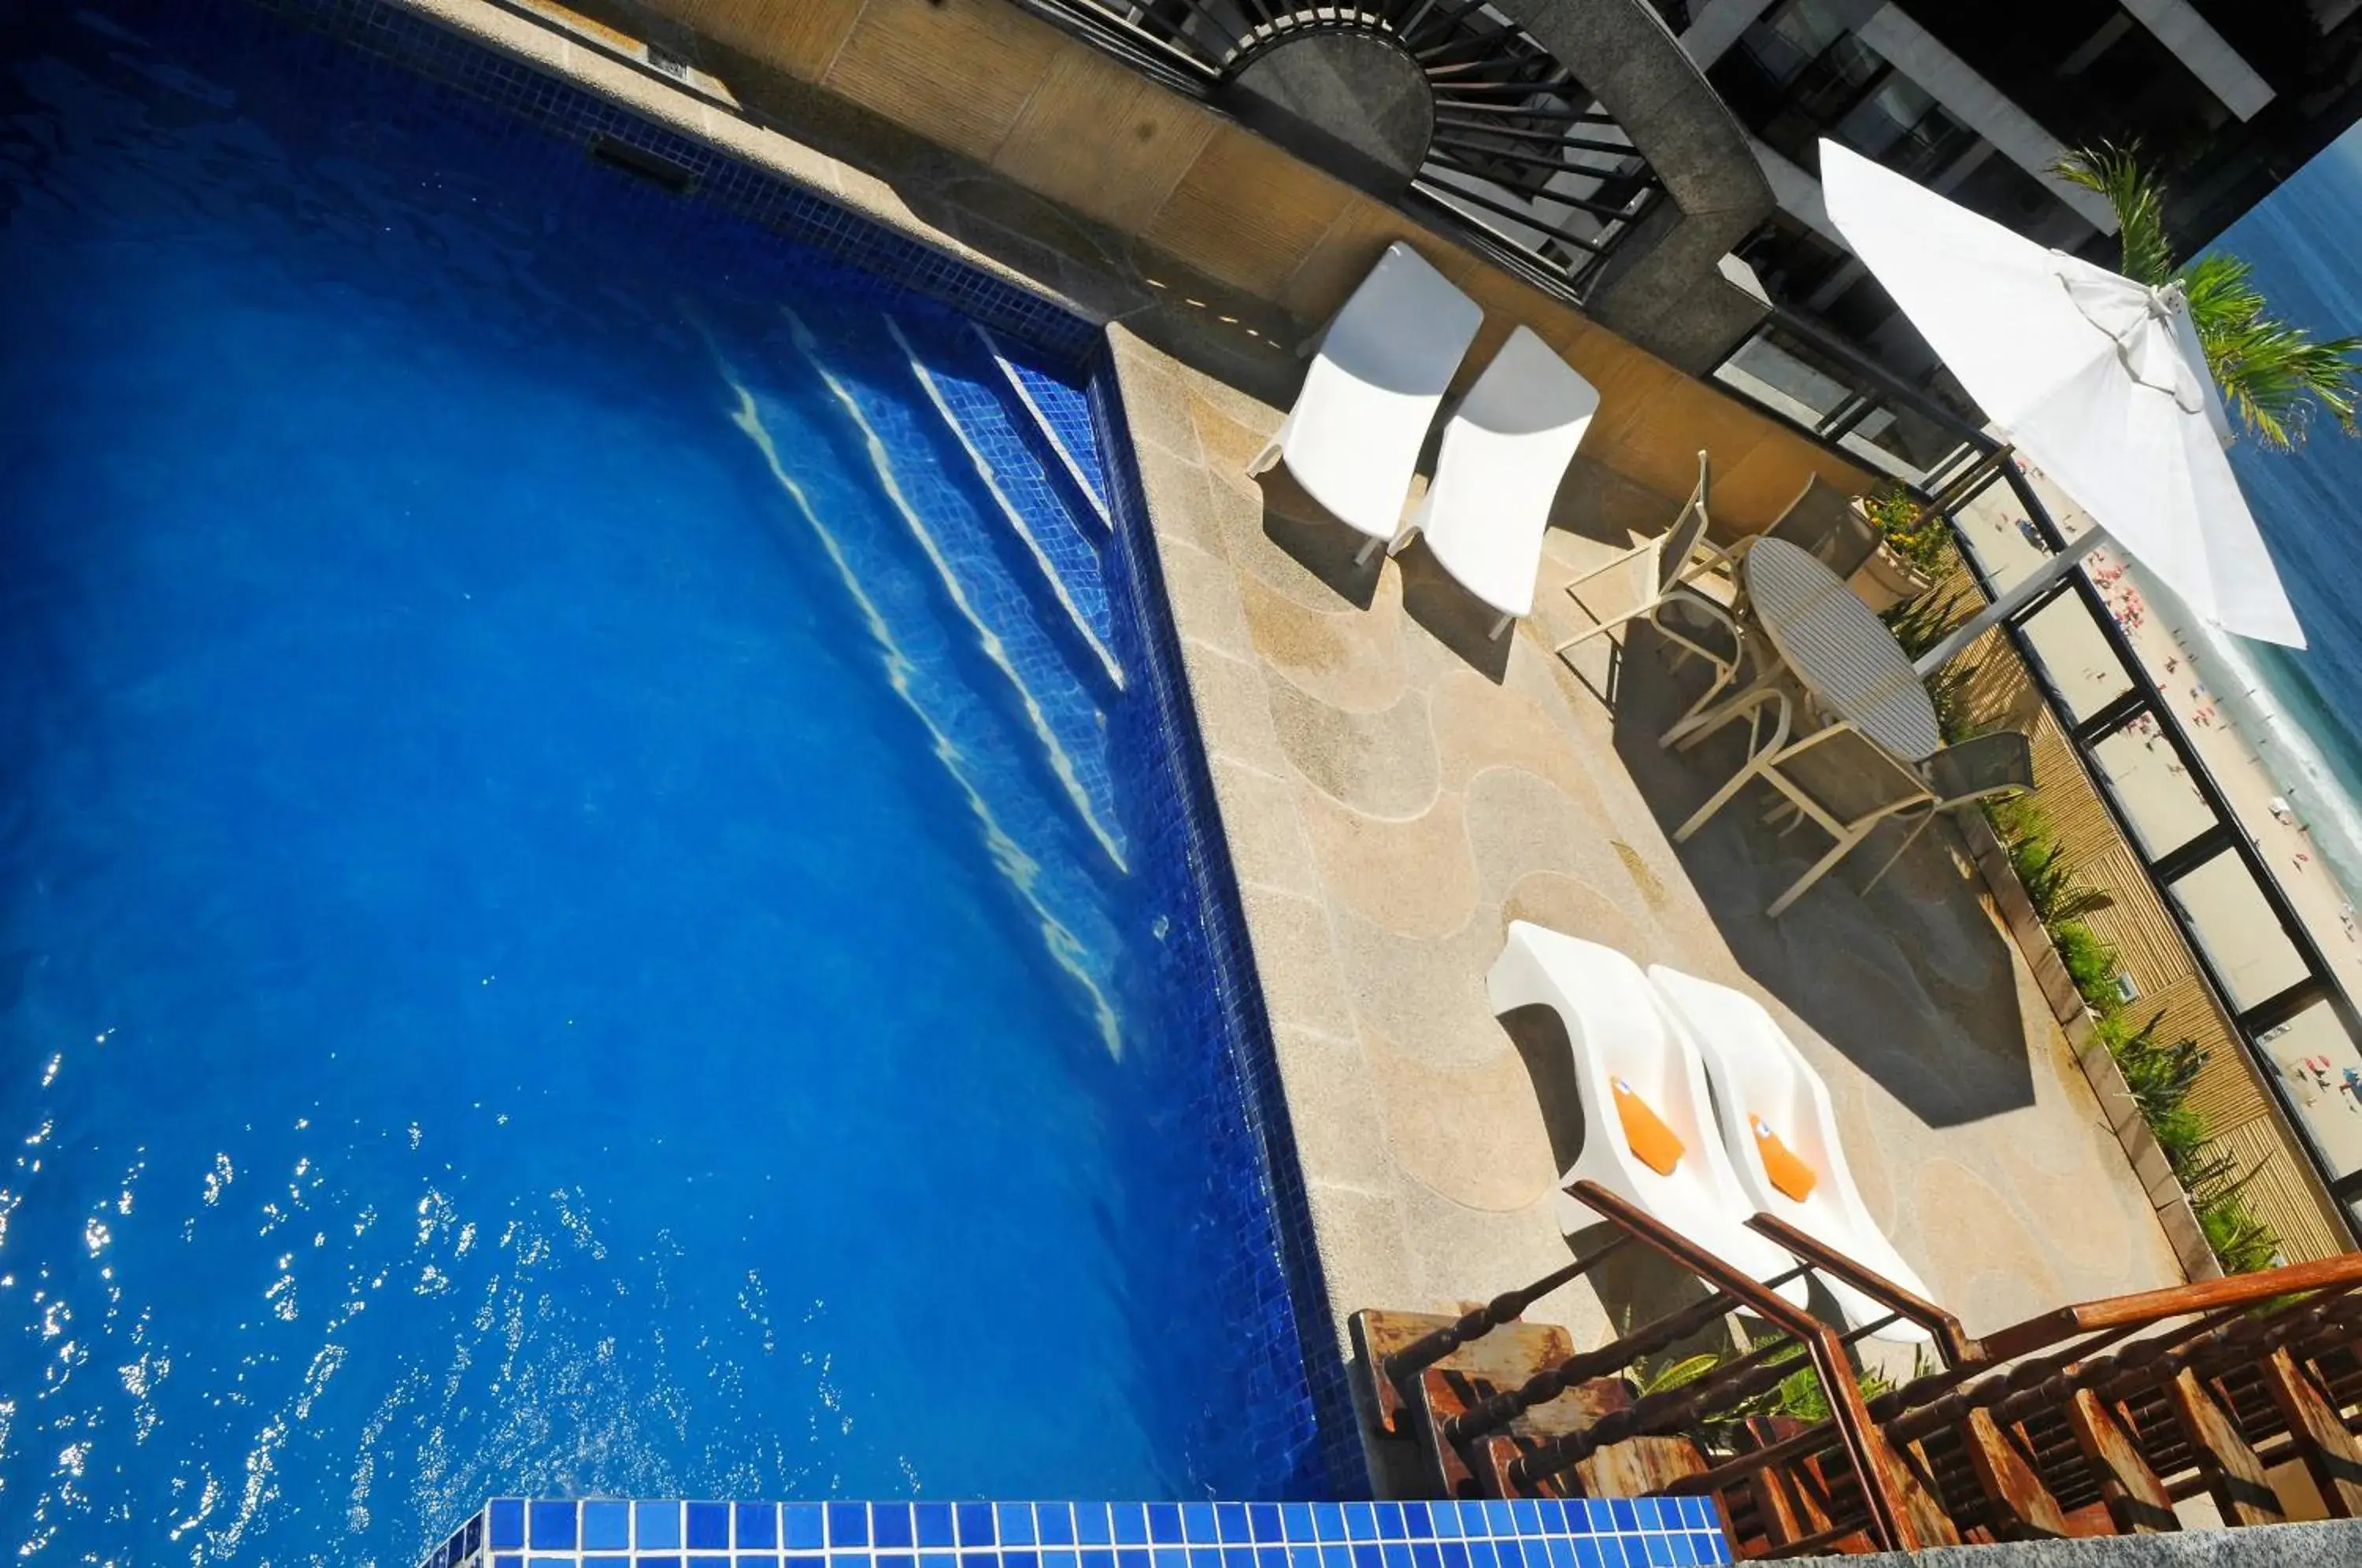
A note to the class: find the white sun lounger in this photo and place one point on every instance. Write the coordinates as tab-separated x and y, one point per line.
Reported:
1764	1087
1622	1036
1380	370
1504	454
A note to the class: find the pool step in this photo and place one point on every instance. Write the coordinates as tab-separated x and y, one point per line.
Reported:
1021	490
1060	415
967	552
1056	877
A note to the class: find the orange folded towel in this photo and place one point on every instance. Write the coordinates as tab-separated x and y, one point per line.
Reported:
1789	1174
1658	1146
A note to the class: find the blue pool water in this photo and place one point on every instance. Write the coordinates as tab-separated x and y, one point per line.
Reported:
587	904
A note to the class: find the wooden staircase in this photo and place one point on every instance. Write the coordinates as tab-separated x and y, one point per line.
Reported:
2092	1418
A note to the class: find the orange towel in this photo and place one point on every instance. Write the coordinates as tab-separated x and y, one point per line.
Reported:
1791	1174
1658	1146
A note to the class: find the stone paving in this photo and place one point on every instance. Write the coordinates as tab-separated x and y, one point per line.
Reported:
1396	789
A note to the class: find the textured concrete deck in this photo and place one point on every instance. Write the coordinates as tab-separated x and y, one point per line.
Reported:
1396	790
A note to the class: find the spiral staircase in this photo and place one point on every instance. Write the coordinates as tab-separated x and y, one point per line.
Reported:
1449	107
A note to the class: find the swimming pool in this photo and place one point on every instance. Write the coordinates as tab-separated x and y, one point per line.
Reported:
596	896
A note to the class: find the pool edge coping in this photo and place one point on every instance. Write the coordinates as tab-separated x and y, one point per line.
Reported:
543	44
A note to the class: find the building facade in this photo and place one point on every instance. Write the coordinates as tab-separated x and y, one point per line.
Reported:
1979	100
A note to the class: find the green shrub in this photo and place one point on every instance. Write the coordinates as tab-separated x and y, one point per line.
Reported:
2091	964
1916	534
2158	1077
2242	1241
2057	893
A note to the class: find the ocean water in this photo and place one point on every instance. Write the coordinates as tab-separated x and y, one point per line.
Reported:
574	916
2305	706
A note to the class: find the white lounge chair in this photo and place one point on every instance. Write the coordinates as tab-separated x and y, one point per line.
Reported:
1505	452
1782	1138
1377	376
1635	1068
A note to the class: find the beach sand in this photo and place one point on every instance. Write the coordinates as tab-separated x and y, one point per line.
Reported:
2321	1066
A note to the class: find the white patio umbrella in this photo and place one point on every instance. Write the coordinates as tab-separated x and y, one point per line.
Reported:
2097	380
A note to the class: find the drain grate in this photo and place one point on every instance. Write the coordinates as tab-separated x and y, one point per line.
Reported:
653	166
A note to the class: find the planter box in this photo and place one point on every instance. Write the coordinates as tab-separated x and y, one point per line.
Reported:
1887	579
2174	1210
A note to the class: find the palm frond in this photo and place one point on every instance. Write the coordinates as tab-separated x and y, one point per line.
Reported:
2273	375
2117	174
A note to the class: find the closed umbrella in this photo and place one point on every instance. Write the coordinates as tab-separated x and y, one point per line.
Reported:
2097	379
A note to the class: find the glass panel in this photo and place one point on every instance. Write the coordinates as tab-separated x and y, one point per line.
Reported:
2238	931
2152	788
1781	373
1785	373
2067	640
1901	126
1784	43
1999	535
1902	441
2320	1069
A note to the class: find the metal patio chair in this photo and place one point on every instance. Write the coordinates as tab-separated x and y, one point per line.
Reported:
1824	524
1834	778
1673	562
1980	768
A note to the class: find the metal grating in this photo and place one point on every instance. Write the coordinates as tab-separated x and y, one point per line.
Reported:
1522	160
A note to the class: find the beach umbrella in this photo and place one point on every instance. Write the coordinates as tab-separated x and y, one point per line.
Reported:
2099	380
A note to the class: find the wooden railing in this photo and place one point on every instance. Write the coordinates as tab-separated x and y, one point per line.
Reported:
2096	1418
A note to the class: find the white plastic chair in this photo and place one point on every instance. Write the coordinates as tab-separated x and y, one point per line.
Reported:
1505	452
1761	1084
1619	1029
1378	374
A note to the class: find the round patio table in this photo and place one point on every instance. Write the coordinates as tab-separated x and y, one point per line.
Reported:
1840	651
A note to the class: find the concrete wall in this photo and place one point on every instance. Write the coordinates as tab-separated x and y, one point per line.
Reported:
1058	117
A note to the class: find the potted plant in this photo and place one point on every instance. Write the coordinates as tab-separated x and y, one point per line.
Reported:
1914	549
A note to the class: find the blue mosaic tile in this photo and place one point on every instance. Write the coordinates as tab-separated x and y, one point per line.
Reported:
606	1527
392	31
1307	1392
1024	491
658	1525
551	1525
918	463
1060	419
709	1525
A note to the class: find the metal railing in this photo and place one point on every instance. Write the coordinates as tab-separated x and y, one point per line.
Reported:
1519	160
2104	1410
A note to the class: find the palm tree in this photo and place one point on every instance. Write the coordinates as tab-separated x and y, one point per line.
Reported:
2273	373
